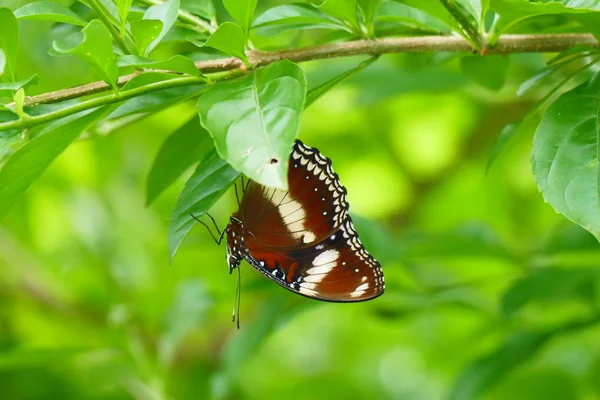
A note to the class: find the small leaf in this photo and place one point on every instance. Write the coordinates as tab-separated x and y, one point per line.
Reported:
7	89
566	163
577	50
549	284
144	32
94	46
203	8
9	40
485	372
391	11
229	39
49	11
344	10
176	63
242	12
436	10
316	92
486	71
255	119
166	13
31	160
368	7
292	17
123	7
536	79
208	183
182	148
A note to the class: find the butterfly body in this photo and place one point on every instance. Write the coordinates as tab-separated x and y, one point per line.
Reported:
303	239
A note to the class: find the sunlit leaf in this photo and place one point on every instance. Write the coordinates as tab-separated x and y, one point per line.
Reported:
9	39
49	11
94	46
242	12
292	17
177	63
144	32
228	38
208	183
486	71
255	119
566	162
31	160
181	150
166	13
7	89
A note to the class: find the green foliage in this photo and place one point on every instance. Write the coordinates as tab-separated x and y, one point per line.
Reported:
491	293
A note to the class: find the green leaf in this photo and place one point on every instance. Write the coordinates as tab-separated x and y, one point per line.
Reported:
176	63
316	92
566	155
203	8
344	10
31	160
488	370
536	79
550	284
436	10
254	120
166	13
208	183
229	39
242	12
9	40
391	11
514	11
486	71
2	61
182	148
292	17
123	7
7	89
49	11
368	7
502	140
144	32
94	46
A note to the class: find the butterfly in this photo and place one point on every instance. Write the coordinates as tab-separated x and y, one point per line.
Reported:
303	239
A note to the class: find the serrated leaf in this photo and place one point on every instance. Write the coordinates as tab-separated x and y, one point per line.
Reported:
292	17
208	183
255	119
49	11
242	12
9	40
94	46
31	160
144	32
391	11
315	93
203	8
545	285
486	71
229	39
166	13
7	89
180	150
566	159
177	63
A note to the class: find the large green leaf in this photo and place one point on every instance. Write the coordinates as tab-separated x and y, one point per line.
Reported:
166	13
292	17
208	183
9	39
545	285
566	155
181	150
49	11
228	38
177	63
255	119
144	32
31	160
94	46
242	12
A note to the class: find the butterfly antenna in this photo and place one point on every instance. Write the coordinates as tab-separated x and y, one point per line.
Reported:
220	237
237	300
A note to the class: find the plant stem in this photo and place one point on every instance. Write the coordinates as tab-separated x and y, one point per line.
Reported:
233	67
186	17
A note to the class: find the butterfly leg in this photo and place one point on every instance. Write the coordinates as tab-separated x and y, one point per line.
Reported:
220	233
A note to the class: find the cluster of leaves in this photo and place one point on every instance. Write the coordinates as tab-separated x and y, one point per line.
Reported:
248	117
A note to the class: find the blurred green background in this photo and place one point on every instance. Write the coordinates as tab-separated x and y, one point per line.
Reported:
91	309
